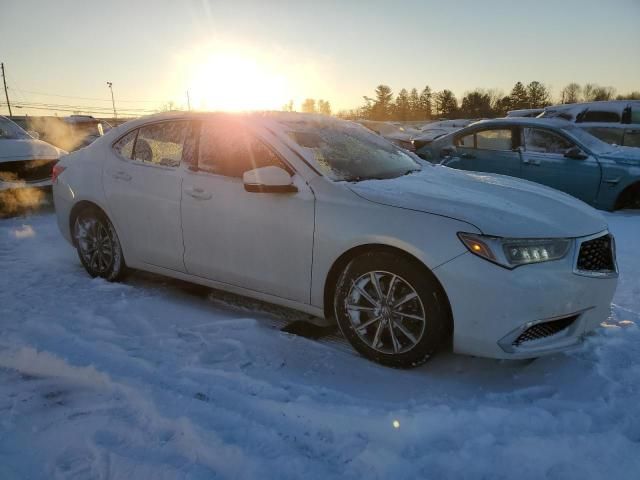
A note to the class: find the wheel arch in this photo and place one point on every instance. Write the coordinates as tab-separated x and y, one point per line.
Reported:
80	206
626	194
343	260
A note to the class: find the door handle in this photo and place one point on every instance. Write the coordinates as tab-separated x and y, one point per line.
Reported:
122	176
531	161
197	193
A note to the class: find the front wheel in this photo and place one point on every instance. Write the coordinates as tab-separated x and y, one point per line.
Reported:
391	310
98	245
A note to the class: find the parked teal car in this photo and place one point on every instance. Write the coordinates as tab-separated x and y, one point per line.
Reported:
552	152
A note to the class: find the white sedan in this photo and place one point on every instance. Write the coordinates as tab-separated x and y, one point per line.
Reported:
323	216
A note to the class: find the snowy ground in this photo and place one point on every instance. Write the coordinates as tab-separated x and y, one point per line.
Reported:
155	379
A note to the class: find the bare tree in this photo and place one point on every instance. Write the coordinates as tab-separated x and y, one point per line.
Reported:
571	93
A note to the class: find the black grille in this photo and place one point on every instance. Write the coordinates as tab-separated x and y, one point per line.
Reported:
544	329
597	255
26	170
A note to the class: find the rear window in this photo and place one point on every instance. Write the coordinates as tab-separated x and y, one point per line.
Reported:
599	116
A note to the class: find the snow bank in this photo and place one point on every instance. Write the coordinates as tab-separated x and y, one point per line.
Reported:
157	379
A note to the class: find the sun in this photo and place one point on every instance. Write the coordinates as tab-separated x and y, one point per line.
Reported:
235	82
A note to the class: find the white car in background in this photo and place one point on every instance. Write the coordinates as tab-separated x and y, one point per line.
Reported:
323	216
615	121
26	164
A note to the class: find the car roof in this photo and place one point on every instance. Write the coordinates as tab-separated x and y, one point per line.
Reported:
523	121
609	105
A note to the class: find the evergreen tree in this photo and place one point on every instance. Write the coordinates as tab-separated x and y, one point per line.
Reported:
538	95
447	105
414	105
401	107
381	108
426	99
519	99
476	104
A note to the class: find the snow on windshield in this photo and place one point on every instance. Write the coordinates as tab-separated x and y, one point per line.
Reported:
347	151
11	131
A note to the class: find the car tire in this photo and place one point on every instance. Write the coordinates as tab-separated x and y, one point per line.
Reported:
391	309
98	245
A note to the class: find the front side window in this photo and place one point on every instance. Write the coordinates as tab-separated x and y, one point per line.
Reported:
545	141
495	139
161	143
465	142
635	114
226	148
124	146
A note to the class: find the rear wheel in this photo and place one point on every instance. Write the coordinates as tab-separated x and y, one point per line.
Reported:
98	245
391	310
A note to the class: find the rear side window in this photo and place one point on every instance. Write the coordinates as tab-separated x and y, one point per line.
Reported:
226	148
495	139
161	143
635	115
599	116
544	141
632	137
124	146
613	136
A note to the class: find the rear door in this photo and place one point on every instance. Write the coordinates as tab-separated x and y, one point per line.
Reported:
491	150
544	161
143	185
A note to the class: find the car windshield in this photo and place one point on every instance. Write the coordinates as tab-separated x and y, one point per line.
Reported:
347	151
11	131
594	144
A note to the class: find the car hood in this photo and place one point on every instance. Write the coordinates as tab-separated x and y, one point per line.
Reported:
28	149
496	204
629	155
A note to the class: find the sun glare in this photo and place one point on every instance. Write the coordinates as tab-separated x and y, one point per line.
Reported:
233	82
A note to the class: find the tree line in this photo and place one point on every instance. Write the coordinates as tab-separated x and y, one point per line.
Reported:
426	105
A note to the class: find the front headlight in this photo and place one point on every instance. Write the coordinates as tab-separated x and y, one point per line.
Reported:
513	252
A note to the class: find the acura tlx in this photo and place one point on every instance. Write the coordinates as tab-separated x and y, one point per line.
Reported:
323	216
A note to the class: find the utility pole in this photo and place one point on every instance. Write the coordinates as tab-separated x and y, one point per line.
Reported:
6	93
188	101
113	103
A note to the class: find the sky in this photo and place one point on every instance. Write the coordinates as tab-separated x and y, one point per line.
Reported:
242	54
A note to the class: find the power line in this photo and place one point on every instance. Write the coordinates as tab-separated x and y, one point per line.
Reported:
89	98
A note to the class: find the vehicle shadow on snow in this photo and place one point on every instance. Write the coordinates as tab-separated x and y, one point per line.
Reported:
443	374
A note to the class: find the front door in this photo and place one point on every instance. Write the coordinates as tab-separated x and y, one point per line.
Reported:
544	161
143	186
491	150
258	241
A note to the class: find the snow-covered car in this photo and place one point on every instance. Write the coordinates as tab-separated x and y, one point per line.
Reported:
548	151
616	121
323	216
525	112
434	130
397	134
24	160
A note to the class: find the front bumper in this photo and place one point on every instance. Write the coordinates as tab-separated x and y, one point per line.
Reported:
493	306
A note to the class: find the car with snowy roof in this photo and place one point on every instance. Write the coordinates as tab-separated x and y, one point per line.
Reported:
552	152
615	121
26	164
323	216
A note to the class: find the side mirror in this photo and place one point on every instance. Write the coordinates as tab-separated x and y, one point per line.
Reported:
34	134
575	153
448	151
270	179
